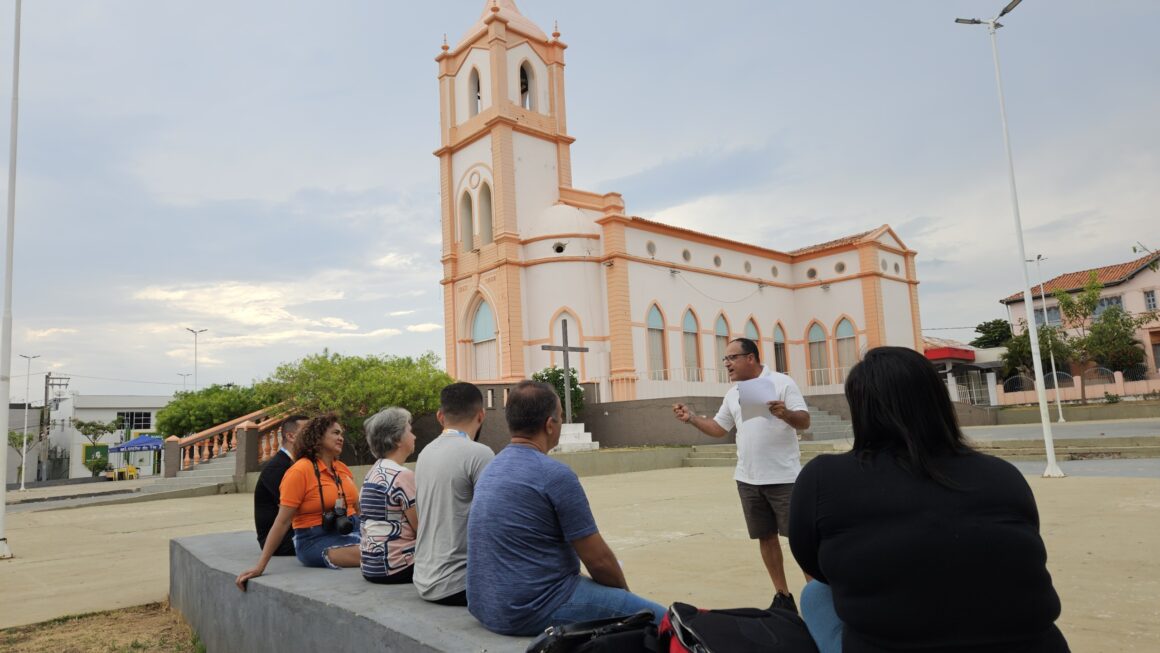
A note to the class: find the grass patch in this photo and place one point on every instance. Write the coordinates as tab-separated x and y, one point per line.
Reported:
151	627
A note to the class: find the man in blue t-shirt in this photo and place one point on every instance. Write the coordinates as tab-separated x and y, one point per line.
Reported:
530	527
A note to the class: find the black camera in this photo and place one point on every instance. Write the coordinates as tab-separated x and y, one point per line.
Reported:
337	521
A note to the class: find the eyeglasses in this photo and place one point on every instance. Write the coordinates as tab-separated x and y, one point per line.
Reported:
729	358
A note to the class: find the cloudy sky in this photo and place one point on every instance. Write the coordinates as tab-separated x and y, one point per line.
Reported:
263	169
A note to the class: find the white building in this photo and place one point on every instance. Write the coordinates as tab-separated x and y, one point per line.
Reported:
137	412
655	304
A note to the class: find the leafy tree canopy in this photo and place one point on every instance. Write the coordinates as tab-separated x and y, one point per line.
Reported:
554	376
95	430
992	333
1017	359
194	411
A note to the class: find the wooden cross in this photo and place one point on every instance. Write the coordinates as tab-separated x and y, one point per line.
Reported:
567	369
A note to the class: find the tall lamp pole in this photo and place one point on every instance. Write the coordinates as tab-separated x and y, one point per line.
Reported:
184	376
6	327
1039	258
195	332
993	24
24	443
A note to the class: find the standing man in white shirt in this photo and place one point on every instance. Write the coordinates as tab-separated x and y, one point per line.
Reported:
768	457
445	475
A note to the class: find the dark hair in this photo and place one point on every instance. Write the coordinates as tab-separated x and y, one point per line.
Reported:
292	423
460	401
310	437
899	405
749	347
529	405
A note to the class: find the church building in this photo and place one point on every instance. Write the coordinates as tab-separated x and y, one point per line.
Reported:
524	251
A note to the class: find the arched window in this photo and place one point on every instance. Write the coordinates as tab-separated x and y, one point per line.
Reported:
691	344
484	349
720	342
752	333
485	228
656	345
819	373
474	95
779	359
527	87
466	237
847	349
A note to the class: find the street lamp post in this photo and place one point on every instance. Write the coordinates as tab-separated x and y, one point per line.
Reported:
24	443
1039	258
993	24
195	332
184	376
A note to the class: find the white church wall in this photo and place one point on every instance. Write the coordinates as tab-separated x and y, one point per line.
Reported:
827	306
463	160
896	309
480	59
826	267
578	288
891	264
537	181
516	56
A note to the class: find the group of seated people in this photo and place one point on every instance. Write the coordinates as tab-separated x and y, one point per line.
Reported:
911	540
501	534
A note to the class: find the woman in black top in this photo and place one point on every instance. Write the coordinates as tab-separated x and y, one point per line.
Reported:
915	540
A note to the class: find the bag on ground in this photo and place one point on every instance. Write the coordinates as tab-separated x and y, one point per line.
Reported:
685	629
627	634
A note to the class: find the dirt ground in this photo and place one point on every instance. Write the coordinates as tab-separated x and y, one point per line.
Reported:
152	627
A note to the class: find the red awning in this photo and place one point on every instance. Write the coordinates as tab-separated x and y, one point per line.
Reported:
950	353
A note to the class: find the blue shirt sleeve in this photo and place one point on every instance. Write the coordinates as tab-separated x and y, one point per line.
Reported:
567	497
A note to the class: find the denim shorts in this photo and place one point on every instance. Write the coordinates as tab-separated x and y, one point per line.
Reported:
312	544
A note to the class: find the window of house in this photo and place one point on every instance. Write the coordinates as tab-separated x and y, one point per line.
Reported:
773	270
686	255
485	220
780	362
1108	302
466	237
748	267
720	342
691	343
485	350
1053	318
527	87
811	273
751	331
656	345
717	261
840	267
819	373
847	348
1149	300
651	247
474	95
135	420
897	269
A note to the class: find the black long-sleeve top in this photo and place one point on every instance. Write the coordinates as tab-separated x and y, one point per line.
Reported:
916	566
266	499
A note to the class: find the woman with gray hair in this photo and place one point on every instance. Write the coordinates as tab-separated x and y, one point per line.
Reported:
387	500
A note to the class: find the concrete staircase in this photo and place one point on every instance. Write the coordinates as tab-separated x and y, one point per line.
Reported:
218	472
827	426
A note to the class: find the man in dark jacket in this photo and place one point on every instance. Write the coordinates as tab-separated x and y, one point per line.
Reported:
266	494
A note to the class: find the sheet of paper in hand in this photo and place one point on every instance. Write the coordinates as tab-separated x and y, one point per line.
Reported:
754	395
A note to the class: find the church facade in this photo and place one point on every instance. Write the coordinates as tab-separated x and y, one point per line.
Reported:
524	251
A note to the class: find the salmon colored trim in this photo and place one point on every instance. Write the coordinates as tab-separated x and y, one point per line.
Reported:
915	315
608	202
622	358
695	236
872	298
536	239
481	124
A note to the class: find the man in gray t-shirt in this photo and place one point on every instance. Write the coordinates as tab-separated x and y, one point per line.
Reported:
445	475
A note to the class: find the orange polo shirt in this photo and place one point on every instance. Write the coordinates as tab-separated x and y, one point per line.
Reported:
299	490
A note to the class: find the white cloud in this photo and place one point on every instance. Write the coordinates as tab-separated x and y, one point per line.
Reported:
426	327
400	313
395	261
251	304
43	334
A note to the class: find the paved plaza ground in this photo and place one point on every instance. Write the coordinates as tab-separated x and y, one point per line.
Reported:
679	534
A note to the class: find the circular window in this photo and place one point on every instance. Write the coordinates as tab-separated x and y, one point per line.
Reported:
748	266
773	271
883	265
897	270
717	261
686	255
840	267
812	273
652	248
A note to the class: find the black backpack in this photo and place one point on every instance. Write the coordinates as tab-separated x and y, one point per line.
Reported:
626	634
685	629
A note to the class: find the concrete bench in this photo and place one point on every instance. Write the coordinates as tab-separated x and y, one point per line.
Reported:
294	608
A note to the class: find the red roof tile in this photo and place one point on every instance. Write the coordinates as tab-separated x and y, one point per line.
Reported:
1109	275
837	242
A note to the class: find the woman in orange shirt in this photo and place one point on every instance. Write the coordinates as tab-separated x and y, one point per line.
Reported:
319	499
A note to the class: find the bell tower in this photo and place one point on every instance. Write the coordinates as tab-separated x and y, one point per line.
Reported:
501	101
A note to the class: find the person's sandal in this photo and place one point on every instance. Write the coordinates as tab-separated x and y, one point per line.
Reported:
783	601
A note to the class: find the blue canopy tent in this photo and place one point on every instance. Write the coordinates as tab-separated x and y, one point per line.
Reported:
139	443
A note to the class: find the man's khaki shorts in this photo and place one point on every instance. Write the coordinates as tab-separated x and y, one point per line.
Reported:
766	508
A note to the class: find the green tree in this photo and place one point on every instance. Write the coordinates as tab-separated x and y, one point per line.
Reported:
356	387
191	412
1017	359
16	442
95	430
554	376
992	333
1112	340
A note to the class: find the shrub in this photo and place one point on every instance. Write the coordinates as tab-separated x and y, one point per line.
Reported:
554	376
1111	398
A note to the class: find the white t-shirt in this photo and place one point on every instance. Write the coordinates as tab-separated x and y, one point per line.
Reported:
767	449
